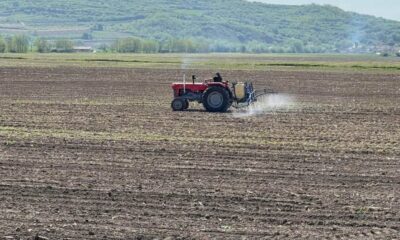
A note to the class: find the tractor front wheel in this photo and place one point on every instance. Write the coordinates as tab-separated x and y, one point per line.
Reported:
178	104
216	99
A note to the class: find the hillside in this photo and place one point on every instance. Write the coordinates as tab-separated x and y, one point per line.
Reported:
223	23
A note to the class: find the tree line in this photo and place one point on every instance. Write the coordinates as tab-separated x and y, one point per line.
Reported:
138	45
173	45
23	44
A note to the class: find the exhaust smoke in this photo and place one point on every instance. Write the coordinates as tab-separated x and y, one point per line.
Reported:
186	62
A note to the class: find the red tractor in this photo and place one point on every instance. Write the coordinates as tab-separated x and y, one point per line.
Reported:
215	94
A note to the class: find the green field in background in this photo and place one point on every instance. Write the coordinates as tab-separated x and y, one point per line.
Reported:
327	62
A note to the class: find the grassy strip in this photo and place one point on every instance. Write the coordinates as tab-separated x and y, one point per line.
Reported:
376	67
9	57
208	61
123	61
293	64
320	65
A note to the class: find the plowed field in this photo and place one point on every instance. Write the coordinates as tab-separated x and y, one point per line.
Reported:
97	153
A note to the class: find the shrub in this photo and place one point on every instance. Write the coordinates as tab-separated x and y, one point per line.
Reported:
42	45
19	44
64	45
3	45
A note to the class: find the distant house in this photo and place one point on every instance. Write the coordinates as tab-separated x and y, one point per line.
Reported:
82	49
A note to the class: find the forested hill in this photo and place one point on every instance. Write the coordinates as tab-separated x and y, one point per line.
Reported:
225	23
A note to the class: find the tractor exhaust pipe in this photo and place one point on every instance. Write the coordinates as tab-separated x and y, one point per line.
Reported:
184	83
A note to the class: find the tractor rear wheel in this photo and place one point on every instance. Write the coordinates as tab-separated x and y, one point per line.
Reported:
216	99
186	104
178	104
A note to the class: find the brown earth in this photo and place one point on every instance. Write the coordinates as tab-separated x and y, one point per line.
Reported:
96	153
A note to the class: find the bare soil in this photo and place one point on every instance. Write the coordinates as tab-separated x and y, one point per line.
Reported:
97	153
